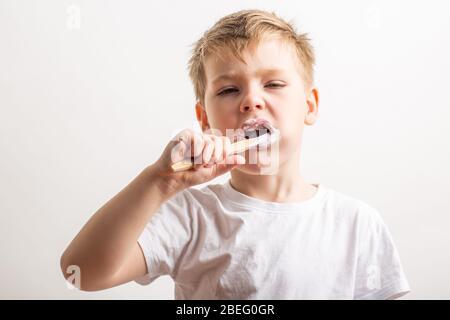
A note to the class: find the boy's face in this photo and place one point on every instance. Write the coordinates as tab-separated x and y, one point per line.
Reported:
268	86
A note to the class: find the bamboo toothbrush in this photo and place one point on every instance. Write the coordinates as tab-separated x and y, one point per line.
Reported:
237	147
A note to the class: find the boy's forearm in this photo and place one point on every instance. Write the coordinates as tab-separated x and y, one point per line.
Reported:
101	246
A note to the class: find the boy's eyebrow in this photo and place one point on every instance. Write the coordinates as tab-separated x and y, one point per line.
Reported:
233	75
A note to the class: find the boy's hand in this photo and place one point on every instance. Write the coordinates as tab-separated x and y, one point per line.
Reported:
211	159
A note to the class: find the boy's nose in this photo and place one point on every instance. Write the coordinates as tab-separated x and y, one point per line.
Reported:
252	98
250	108
251	104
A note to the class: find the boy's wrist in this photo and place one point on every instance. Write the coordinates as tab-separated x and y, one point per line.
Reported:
165	185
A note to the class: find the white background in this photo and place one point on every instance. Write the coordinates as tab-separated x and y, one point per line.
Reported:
84	108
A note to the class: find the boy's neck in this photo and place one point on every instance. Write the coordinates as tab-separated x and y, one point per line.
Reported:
286	185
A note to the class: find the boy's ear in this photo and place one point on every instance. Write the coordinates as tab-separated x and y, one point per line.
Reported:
202	118
312	100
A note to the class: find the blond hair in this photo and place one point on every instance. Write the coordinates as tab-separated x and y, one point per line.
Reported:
235	32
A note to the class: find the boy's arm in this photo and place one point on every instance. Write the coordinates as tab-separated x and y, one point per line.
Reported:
106	249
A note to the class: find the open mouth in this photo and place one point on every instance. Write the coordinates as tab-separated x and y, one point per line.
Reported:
256	127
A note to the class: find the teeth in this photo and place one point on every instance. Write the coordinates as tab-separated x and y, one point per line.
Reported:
267	128
255	127
256	131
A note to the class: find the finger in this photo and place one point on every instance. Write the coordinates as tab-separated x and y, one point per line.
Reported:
218	149
231	162
208	149
179	146
178	151
198	144
226	147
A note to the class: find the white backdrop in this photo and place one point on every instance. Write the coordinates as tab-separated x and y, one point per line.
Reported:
91	91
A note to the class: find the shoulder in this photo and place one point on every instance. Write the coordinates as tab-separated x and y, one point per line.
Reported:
350	207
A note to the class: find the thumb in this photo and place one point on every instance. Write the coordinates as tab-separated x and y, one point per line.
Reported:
229	163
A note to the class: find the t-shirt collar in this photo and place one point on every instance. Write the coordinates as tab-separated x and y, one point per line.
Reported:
243	200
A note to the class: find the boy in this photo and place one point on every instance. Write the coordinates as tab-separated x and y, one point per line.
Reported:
265	233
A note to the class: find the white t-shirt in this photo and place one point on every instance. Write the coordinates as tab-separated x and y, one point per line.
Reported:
217	243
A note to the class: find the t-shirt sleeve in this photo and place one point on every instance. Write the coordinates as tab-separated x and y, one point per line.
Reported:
379	272
165	238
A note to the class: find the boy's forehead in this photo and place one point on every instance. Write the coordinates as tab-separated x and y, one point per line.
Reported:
271	56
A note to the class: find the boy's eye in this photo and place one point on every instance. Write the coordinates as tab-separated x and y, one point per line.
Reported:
226	91
275	85
229	90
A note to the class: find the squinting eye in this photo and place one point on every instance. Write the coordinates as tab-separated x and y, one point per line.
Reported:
275	85
226	91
